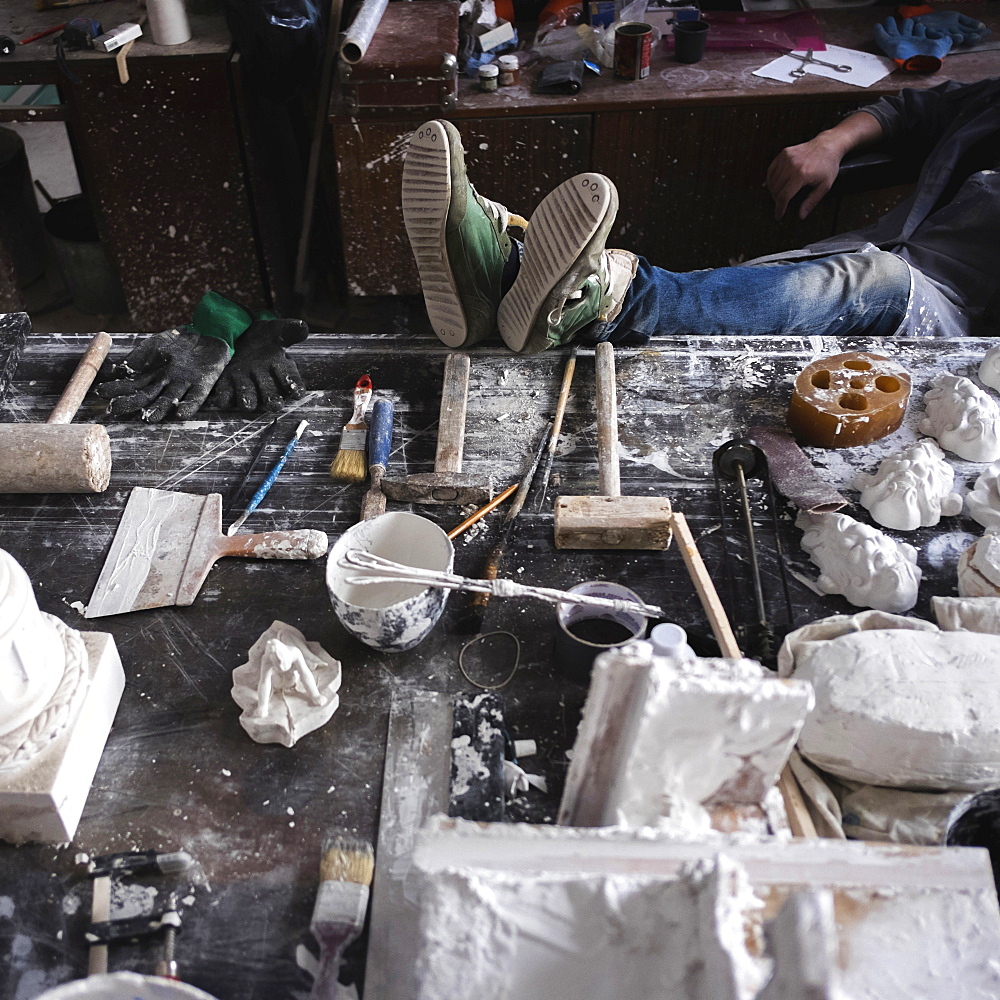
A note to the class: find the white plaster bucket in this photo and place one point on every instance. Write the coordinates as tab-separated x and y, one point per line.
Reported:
125	986
391	617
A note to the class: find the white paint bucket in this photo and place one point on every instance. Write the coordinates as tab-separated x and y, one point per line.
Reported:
125	986
391	617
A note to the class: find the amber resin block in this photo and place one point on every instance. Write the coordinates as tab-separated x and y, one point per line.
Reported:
848	399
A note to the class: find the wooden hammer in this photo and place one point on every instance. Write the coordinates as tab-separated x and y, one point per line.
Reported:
57	456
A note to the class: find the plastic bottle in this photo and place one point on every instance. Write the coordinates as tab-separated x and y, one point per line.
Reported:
671	640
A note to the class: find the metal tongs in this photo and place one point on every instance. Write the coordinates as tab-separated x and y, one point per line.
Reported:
810	58
376	569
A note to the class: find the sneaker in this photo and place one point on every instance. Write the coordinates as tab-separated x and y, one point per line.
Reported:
567	278
458	237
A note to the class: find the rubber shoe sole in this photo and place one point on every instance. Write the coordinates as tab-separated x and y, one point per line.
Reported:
426	200
564	233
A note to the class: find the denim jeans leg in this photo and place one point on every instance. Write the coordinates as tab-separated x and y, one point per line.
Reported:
837	295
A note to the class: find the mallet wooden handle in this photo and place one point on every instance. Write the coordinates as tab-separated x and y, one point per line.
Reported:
607	420
81	380
451	422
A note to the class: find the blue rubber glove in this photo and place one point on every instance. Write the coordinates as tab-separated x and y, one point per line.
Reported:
960	28
914	46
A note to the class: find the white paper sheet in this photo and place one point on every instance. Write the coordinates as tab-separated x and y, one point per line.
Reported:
865	68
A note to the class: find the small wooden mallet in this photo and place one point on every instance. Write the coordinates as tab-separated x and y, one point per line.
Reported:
57	456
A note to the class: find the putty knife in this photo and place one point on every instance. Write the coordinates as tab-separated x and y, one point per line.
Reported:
167	542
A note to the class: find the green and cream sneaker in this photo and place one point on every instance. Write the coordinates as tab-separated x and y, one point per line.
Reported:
567	278
458	237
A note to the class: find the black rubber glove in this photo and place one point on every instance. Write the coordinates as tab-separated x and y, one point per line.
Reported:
172	369
261	375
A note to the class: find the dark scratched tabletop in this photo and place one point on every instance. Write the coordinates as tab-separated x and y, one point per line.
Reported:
179	772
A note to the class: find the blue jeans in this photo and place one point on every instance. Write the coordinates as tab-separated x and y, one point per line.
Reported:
838	295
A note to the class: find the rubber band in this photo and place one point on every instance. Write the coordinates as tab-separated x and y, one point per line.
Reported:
513	670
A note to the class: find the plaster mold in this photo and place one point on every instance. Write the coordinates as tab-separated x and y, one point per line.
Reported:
979	568
964	419
802	938
911	489
870	569
661	739
935	721
989	368
287	688
983	500
967	614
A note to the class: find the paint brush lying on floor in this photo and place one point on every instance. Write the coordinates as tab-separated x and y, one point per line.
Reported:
345	873
349	465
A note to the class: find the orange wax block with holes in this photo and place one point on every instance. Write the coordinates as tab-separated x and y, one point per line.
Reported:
848	399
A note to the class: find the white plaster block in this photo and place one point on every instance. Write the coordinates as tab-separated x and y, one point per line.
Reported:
43	799
967	614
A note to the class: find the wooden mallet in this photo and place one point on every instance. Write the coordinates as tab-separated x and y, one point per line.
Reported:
57	456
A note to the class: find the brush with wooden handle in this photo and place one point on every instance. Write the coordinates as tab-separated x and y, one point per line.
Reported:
345	873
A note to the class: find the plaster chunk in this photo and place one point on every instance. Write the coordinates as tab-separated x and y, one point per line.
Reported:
911	489
964	419
967	614
979	568
903	708
287	688
989	368
983	500
867	567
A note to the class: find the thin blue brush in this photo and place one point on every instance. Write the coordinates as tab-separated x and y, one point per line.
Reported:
269	482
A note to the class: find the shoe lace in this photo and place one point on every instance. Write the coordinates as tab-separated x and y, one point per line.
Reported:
603	273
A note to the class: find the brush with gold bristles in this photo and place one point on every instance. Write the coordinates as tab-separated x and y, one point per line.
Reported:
345	873
349	465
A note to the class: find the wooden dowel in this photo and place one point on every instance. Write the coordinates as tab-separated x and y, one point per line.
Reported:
81	380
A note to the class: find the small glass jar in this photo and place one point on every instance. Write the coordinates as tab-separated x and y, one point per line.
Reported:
510	71
488	76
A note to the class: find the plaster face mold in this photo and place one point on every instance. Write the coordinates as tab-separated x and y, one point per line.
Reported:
867	567
983	500
989	368
964	419
287	688
900	707
911	489
979	568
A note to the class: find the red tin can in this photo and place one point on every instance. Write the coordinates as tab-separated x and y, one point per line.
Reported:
633	45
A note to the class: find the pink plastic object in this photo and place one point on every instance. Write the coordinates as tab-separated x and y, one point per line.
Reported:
776	32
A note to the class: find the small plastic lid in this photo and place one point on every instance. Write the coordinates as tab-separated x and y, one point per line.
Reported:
668	639
490	69
508	62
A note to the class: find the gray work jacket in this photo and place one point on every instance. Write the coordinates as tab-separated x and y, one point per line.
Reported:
953	252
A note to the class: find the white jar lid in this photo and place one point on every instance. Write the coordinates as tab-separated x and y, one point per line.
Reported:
508	62
490	69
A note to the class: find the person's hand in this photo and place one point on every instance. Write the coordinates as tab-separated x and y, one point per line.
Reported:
172	369
812	165
914	46
261	375
960	28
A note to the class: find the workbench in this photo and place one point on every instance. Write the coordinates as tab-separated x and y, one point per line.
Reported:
179	772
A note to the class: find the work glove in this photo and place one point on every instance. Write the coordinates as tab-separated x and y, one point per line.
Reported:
960	28
168	370
915	47
261	375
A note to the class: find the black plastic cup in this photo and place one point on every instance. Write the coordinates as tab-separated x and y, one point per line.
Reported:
689	40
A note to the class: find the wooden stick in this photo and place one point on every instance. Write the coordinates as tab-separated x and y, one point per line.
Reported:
120	56
799	819
81	380
607	420
483	511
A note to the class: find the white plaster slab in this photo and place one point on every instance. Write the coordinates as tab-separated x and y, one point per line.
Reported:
661	738
44	799
911	489
964	419
968	614
865	566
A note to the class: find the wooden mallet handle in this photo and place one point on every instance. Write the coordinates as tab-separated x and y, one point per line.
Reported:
451	422
81	380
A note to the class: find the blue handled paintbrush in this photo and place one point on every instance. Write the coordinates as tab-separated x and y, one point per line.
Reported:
269	481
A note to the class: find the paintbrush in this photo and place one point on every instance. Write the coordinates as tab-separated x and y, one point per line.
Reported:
567	382
345	873
269	481
349	464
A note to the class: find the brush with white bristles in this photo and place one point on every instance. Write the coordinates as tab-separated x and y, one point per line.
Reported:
349	466
345	873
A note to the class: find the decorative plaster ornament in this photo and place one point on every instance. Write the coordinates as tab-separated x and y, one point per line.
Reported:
963	418
911	489
287	688
870	569
983	500
989	368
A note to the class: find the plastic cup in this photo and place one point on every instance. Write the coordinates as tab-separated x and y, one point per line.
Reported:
689	40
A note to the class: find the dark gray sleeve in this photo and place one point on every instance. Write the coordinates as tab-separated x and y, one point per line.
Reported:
920	117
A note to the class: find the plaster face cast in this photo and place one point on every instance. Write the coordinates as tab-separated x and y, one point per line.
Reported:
983	500
963	418
867	567
911	489
989	368
287	688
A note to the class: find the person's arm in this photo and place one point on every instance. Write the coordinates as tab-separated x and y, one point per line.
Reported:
814	164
